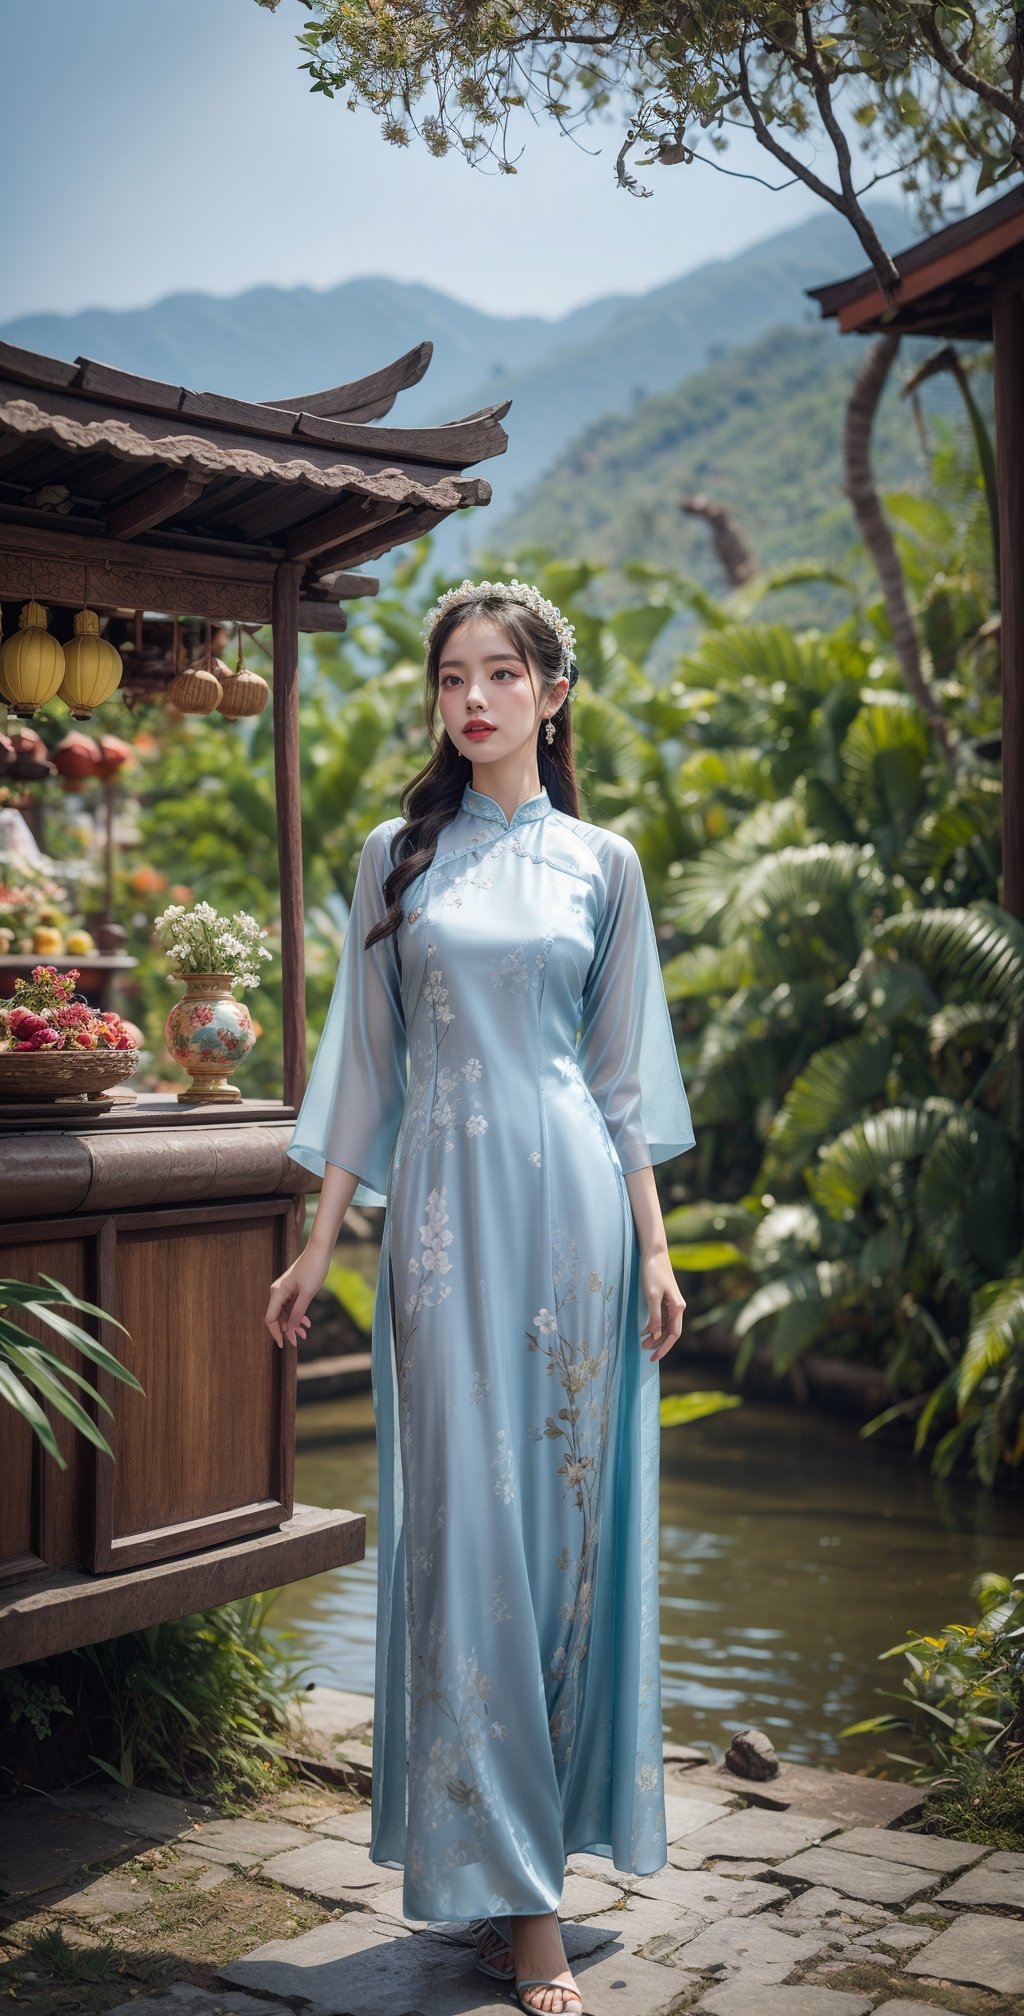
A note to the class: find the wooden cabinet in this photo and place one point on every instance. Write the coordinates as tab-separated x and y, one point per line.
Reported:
205	1457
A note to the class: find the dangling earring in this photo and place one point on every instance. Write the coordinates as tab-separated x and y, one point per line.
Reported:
549	731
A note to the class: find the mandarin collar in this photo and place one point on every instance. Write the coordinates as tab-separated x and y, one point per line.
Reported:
488	808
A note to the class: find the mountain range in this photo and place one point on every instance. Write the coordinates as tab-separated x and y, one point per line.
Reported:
564	374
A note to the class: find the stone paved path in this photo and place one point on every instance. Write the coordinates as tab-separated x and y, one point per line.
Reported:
775	1901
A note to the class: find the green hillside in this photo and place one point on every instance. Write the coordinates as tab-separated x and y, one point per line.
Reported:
759	430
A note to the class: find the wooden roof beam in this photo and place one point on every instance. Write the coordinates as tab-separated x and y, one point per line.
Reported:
380	535
340	524
348	587
159	501
365	398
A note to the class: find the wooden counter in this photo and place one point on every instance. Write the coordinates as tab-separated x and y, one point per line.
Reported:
176	1220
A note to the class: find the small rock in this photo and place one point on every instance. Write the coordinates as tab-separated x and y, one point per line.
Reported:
751	1754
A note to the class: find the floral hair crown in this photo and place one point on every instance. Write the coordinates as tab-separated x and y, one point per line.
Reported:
469	592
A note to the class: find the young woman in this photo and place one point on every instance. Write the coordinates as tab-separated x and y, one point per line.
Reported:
498	1068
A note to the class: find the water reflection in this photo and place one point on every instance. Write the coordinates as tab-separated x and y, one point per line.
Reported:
792	1554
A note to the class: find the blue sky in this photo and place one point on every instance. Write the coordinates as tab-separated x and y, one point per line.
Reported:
148	146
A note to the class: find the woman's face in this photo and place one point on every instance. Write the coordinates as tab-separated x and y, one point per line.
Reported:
483	682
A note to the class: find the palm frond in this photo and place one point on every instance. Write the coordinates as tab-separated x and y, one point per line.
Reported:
874	1151
996	1333
885	754
802	1303
708	969
832	1091
967	1198
978	950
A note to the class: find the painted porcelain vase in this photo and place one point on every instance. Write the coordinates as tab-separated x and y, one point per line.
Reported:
209	1032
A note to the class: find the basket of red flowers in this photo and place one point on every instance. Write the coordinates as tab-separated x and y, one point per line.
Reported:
54	1046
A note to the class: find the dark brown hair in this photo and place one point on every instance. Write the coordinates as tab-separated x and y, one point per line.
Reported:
432	798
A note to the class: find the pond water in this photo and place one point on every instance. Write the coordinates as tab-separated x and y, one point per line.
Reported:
792	1554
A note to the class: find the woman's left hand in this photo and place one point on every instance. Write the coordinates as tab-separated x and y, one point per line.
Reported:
665	1304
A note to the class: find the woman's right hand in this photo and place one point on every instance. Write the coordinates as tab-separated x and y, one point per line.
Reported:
290	1297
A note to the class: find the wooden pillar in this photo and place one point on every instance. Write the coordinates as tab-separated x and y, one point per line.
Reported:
289	825
1008	342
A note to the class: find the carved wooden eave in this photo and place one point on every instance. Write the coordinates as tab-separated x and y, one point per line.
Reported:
92	453
365	398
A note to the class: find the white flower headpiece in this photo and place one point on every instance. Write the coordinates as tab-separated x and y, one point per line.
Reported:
510	591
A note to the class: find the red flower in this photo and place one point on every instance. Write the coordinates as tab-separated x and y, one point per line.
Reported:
74	1015
201	1015
25	1024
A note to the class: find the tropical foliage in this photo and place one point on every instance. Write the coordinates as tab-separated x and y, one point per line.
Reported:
200	1704
29	1368
962	1700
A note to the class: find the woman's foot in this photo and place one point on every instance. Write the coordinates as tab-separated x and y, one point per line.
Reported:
537	1949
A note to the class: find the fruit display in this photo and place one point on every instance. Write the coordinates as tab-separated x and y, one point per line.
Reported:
32	913
46	1014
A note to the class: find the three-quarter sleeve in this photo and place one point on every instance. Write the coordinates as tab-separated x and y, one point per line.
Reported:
353	1102
627	1051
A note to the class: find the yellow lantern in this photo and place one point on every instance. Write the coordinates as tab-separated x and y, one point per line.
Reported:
92	667
31	662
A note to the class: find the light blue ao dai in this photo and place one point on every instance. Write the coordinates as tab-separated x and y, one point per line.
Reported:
517	1712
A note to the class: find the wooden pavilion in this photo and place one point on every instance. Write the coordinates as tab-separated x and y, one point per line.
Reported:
966	282
118	493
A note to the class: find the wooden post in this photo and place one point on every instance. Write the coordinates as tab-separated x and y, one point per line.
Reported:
289	825
1008	342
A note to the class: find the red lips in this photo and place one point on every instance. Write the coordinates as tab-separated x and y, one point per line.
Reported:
478	728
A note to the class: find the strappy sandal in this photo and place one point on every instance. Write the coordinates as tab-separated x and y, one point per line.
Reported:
479	1928
540	1981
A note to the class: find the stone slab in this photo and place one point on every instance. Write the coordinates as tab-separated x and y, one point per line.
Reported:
602	1868
154	1816
859	1875
709	1895
333	1871
359	1965
921	1851
1000	1889
42	1845
1007	1858
822	1906
901	2008
625	1983
354	1826
242	1843
108	1897
748	1999
756	1947
723	1865
841	1796
987	1951
642	1922
311	1812
330	1711
679	1782
685	1814
585	1896
185	2000
757	1834
900	1938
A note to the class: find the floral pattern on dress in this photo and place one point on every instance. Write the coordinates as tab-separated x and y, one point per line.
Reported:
516	972
579	1428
